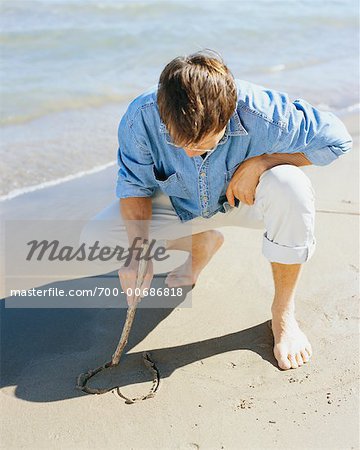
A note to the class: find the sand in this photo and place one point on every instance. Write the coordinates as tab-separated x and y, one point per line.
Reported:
220	386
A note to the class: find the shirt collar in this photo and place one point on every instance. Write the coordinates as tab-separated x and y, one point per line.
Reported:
236	128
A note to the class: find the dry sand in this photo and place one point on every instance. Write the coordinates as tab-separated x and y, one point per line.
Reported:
220	386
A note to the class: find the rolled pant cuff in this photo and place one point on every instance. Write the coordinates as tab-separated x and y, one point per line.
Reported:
287	255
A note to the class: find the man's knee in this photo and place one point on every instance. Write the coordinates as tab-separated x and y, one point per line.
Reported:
287	201
289	186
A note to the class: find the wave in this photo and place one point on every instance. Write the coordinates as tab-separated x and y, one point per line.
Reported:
60	105
301	64
46	184
46	15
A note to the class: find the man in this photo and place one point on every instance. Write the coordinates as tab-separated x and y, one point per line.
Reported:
224	152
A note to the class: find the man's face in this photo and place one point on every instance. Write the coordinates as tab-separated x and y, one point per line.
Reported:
206	145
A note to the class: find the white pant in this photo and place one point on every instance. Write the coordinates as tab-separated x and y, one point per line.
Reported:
284	208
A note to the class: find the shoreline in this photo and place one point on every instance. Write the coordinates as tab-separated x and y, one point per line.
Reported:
46	184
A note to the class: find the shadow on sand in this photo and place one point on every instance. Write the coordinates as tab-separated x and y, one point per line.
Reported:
43	350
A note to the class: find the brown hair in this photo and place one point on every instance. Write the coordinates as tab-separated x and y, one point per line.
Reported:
196	96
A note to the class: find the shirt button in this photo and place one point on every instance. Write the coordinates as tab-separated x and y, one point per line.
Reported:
205	198
203	174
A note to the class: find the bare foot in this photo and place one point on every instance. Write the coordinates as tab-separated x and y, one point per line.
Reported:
291	347
205	245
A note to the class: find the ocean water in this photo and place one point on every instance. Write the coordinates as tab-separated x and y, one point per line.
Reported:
70	67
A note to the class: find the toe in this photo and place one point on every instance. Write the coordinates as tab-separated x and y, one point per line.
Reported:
305	356
177	281
284	363
299	359
292	359
281	357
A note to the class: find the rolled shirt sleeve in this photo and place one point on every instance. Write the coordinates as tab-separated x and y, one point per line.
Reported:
135	175
320	136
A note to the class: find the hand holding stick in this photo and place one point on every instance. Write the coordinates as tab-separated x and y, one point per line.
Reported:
130	315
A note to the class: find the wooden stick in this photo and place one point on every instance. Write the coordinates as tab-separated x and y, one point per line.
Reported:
130	315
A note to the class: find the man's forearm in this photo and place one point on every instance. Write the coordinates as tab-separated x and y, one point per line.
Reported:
276	159
136	213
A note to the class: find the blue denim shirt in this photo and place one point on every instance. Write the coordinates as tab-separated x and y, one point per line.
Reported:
265	121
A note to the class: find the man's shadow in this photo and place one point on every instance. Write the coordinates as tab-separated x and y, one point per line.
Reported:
44	349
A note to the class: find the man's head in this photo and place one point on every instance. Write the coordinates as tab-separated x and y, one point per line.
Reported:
196	98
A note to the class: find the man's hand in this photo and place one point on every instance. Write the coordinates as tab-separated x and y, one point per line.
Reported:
137	213
246	178
244	181
128	275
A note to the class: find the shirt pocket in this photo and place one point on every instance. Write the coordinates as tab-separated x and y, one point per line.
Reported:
229	174
223	200
172	185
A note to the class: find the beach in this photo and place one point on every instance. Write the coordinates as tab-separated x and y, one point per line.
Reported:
220	386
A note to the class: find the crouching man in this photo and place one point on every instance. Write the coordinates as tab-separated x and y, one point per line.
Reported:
208	150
